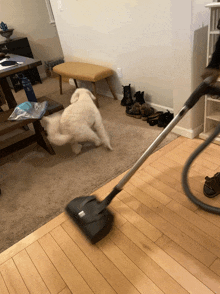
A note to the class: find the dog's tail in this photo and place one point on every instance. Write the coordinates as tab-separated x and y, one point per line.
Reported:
99	127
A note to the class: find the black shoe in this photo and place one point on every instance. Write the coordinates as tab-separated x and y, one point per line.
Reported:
212	186
139	97
127	98
164	119
153	118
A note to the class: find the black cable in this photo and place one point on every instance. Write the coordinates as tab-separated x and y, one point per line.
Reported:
209	208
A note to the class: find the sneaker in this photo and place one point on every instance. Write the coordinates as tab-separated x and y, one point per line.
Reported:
134	110
212	186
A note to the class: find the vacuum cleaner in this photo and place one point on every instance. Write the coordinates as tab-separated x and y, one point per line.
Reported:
93	217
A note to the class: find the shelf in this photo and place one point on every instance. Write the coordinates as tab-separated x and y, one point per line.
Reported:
213	99
205	136
212	108
214	32
215	116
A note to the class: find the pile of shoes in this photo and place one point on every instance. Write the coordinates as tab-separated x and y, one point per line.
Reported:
138	108
160	118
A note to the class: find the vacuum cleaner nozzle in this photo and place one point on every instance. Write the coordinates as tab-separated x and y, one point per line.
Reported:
85	212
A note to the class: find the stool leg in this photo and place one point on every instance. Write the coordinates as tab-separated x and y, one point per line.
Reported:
111	89
76	83
95	94
60	83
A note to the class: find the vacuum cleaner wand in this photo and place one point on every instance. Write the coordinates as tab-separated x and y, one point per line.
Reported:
92	215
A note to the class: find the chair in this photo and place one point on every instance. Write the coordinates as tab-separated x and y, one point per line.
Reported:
84	72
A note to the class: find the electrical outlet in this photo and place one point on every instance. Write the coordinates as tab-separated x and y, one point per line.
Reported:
119	72
60	5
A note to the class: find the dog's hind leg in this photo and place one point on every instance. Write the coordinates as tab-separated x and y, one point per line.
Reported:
76	148
99	127
87	134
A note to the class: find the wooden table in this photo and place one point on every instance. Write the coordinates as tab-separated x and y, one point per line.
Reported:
28	63
7	126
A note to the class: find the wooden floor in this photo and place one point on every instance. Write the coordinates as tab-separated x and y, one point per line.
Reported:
161	242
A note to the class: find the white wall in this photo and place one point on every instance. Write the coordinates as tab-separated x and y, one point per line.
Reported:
30	19
135	35
152	41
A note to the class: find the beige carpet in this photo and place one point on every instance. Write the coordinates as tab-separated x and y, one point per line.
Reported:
37	186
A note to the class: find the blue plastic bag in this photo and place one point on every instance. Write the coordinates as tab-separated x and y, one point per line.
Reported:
29	110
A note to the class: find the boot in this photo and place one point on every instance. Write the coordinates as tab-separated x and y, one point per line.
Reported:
139	97
134	110
127	99
146	111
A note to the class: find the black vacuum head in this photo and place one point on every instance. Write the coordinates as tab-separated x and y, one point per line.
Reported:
85	212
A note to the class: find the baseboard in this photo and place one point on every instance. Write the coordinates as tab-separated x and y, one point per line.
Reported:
159	107
188	133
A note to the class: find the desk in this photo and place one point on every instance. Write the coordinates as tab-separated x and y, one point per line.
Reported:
28	63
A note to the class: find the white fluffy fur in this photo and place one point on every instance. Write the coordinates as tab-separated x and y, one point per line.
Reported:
80	121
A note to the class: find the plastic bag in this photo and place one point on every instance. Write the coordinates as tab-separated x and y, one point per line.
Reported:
29	110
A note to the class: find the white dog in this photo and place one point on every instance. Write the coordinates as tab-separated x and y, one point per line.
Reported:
81	121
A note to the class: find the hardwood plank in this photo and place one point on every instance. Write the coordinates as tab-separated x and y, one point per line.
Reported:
205	168
68	272
212	218
3	287
45	267
165	220
173	268
176	177
83	265
185	155
150	190
65	291
205	155
29	273
199	176
22	244
216	266
156	183
160	242
119	220
196	268
151	269
164	177
167	190
140	223
161	152
143	284
109	271
12	278
208	228
177	185
194	231
177	174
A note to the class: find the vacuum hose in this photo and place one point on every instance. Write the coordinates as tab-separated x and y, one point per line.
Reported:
209	208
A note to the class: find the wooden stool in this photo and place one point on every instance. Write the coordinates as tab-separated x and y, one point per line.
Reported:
6	126
84	72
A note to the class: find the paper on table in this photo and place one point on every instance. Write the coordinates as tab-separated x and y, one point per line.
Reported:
4	67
